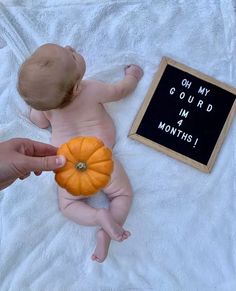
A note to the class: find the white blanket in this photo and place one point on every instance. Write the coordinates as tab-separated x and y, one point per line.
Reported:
183	221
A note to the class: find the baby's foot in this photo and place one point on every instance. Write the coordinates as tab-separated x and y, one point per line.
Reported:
107	222
125	235
101	250
135	71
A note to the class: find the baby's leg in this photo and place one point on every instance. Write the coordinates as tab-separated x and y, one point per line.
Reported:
119	193
80	212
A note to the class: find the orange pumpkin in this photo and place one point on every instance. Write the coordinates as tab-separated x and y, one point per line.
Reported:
88	167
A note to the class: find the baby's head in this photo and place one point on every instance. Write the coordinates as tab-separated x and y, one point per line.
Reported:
51	77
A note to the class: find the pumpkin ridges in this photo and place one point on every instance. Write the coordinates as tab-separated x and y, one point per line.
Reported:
90	189
90	170
64	150
105	160
85	147
79	185
99	180
60	177
106	168
71	147
90	180
80	146
70	152
90	146
68	181
96	156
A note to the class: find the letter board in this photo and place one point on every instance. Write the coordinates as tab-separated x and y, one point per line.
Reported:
185	114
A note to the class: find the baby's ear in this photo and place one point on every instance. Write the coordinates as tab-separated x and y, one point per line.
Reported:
76	88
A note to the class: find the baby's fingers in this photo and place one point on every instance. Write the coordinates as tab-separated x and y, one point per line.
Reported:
134	70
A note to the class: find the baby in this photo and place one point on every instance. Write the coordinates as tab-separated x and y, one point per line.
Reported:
51	82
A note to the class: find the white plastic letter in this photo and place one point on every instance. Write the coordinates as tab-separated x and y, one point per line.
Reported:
172	90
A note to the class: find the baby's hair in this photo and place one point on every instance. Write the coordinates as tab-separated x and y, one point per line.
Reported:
36	74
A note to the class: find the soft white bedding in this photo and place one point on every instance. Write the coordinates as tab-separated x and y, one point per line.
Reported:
183	221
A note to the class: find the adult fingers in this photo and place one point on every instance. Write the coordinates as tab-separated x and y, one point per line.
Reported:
43	149
38	173
34	148
48	163
25	176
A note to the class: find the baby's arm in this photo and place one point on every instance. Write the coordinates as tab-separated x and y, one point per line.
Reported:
121	89
39	118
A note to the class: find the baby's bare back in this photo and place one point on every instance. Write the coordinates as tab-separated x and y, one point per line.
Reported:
83	117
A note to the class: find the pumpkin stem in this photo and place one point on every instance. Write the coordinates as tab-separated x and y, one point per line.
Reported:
81	166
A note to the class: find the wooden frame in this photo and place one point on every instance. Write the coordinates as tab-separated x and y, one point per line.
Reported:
157	77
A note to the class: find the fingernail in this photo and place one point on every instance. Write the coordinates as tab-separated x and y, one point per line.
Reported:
60	160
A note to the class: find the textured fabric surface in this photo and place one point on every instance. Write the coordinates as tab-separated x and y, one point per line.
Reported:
182	220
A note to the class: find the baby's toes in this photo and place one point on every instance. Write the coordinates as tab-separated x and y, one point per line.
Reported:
119	237
126	234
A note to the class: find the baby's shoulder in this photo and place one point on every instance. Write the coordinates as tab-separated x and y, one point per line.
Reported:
92	83
96	87
96	82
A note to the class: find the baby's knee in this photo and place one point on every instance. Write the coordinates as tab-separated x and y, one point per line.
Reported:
126	189
128	192
121	192
63	204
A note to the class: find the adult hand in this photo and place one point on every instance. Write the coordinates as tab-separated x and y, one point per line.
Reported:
20	156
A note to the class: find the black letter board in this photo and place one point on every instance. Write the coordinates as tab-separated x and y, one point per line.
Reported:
185	114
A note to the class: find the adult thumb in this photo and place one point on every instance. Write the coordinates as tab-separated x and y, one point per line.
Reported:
48	163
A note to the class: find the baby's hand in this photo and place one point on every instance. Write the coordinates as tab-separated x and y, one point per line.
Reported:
134	71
